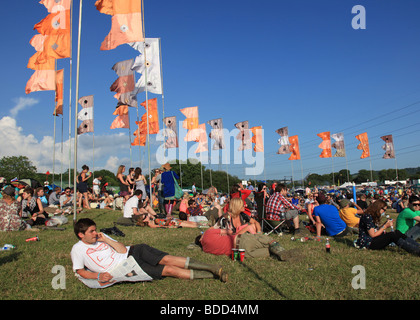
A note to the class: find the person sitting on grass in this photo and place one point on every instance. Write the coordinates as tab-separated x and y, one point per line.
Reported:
96	254
236	221
135	206
349	214
33	206
408	219
9	212
373	237
328	218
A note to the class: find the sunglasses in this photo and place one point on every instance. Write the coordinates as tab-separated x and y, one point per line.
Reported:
416	204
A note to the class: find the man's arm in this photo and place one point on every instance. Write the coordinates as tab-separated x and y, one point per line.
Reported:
117	246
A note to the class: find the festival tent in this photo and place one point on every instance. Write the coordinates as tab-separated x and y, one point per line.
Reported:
22	183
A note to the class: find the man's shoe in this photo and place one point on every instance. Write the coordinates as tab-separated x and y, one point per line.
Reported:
276	249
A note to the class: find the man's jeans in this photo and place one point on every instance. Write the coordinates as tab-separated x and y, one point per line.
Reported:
414	232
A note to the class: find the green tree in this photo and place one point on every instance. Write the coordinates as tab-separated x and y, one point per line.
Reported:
20	167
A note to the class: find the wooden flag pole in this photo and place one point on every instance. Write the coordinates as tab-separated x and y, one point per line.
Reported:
76	113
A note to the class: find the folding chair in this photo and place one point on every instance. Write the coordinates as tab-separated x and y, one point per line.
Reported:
274	226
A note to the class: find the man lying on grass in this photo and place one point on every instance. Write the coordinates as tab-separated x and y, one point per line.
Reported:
96	255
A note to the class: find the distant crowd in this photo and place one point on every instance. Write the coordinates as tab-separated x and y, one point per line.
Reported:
243	219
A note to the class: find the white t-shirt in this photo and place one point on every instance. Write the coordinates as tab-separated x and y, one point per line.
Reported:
98	257
131	203
96	183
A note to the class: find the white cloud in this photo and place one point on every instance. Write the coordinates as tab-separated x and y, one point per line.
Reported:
110	150
21	104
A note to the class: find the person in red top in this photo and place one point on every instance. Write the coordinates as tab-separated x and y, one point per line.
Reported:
279	208
238	191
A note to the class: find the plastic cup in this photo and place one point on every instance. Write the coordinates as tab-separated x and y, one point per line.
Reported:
242	254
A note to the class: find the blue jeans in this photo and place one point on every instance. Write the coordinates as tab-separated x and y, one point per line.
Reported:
414	232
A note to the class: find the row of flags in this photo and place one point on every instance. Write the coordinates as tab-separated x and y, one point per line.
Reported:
51	42
291	145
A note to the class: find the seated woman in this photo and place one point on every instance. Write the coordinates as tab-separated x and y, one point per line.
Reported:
238	222
33	206
373	237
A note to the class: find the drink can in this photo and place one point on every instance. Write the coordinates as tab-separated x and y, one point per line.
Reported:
32	239
235	254
241	255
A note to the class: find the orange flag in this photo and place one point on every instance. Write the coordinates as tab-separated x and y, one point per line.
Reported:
41	80
37	42
121	110
257	139
192	118
55	23
59	82
325	144
140	137
56	5
363	145
153	116
126	24
294	148
202	139
121	122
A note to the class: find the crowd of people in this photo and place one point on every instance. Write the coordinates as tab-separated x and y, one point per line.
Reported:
240	219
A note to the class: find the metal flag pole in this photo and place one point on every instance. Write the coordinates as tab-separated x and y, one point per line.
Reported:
76	113
70	84
147	106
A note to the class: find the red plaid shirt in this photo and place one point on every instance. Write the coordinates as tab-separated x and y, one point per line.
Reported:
277	206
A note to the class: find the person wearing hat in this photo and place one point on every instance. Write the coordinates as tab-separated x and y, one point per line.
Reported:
9	212
349	214
328	216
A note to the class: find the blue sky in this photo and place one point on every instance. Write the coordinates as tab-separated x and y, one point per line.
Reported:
275	63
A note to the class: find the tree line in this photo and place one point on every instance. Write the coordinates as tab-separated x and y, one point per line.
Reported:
194	172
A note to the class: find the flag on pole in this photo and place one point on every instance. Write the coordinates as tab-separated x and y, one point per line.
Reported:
153	117
56	5
149	49
243	135
217	133
190	123
257	139
325	145
126	23
294	148
283	141
56	29
140	138
59	82
388	147
170	132
86	115
124	86
122	120
363	145
338	144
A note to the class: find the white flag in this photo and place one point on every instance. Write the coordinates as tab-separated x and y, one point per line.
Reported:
85	114
151	65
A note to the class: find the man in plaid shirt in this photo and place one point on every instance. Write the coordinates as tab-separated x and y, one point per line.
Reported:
279	208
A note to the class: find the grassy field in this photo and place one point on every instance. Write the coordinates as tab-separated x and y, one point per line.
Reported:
391	274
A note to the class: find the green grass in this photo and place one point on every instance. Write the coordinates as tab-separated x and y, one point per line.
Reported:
25	272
